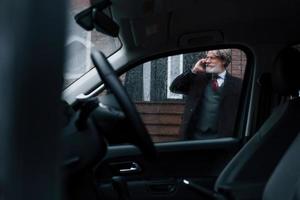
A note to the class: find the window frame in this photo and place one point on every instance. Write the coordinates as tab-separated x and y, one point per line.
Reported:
244	116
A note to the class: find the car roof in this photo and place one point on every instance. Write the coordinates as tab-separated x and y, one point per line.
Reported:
153	26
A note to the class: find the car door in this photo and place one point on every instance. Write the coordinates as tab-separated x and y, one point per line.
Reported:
126	174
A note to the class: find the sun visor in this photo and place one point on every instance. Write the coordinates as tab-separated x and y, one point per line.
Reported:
150	31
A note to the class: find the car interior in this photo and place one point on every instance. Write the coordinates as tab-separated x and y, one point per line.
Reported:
105	123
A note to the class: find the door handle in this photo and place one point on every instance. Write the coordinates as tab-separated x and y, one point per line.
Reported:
128	167
134	168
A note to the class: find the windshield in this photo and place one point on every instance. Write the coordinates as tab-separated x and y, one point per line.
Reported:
79	43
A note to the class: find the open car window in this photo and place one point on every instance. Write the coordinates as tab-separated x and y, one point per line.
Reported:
178	103
79	43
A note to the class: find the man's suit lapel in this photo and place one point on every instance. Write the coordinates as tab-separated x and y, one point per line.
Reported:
228	85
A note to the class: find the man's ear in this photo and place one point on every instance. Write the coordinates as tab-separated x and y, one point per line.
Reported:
223	62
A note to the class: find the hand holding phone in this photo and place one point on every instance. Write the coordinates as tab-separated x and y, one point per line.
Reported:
199	66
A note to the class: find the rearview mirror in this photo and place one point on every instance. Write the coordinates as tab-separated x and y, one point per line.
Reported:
94	17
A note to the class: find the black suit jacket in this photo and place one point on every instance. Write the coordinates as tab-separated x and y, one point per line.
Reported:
193	86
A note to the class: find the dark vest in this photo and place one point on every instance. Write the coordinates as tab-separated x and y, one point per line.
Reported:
207	124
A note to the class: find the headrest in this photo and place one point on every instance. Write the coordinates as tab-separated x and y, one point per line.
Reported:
286	72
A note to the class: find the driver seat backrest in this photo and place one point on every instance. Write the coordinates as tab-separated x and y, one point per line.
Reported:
248	172
285	181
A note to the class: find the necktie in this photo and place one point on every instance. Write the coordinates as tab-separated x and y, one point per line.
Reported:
214	84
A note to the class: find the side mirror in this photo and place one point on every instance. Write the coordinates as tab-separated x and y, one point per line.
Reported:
94	17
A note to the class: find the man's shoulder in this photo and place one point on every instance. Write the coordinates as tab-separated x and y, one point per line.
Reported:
237	79
235	83
233	78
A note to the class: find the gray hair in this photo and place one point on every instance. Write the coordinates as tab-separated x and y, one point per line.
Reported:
224	54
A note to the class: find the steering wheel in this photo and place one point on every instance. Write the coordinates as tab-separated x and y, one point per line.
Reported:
139	133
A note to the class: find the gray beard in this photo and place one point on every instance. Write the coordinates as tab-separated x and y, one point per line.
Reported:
214	70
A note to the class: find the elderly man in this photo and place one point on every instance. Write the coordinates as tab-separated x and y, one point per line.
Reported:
212	97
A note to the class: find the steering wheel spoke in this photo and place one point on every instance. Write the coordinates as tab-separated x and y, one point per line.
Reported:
139	133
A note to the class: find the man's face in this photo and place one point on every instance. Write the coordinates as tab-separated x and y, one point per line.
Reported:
213	63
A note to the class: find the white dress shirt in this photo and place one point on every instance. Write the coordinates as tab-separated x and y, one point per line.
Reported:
221	78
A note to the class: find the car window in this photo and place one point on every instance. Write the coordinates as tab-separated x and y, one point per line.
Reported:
180	101
79	43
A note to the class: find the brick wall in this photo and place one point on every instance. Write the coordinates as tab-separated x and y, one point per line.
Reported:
162	119
238	64
75	4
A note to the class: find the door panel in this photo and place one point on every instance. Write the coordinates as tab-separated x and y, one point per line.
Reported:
199	161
